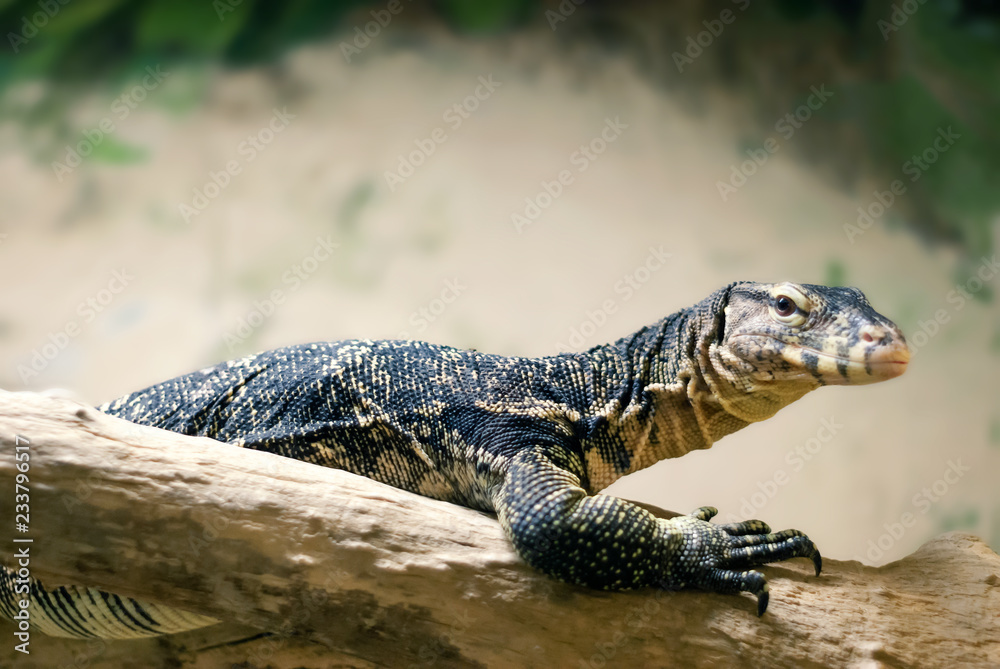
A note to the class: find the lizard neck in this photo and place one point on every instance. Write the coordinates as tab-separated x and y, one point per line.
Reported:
660	404
686	411
674	391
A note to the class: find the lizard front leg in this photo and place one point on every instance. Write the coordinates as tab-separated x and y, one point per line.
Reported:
604	542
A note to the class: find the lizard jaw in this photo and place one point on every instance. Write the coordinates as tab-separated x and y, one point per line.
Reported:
880	364
871	363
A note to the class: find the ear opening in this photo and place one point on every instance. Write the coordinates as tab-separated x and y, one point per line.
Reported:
721	304
720	326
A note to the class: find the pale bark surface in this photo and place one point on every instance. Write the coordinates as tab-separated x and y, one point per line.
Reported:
345	571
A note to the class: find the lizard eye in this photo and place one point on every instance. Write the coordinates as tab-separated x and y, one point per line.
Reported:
784	306
789	306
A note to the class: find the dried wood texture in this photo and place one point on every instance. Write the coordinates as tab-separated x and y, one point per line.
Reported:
344	571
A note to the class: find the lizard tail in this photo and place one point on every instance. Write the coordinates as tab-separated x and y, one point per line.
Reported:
85	613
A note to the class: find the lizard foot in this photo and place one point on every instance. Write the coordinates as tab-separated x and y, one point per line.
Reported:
719	557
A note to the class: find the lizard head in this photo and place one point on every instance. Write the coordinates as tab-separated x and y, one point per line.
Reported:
802	336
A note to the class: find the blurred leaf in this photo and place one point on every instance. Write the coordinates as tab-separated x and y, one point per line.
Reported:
955	62
40	59
483	15
113	151
66	42
967	519
835	273
76	17
199	26
971	283
184	91
350	209
952	191
274	27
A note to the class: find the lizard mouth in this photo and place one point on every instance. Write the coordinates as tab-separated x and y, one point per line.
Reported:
881	363
872	363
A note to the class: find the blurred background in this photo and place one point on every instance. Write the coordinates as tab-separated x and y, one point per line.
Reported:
187	182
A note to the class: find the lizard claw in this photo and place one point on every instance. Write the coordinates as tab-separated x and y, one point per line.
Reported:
729	582
762	600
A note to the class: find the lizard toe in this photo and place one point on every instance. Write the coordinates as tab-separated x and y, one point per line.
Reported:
747	539
705	513
751	527
728	581
775	548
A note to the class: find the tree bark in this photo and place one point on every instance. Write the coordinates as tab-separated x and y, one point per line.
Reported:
339	569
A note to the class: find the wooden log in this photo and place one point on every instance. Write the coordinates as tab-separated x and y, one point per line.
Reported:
341	569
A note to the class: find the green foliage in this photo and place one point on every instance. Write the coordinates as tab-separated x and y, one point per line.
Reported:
911	78
75	17
484	15
938	70
194	27
86	39
952	78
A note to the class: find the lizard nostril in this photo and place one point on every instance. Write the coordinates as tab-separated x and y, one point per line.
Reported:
872	335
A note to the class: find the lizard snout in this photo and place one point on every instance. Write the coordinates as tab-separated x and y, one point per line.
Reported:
886	353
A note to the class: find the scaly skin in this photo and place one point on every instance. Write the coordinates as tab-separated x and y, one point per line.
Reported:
533	439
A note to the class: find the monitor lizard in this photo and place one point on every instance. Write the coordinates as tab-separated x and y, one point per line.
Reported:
532	440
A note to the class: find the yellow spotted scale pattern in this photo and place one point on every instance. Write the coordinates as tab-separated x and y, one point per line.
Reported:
529	439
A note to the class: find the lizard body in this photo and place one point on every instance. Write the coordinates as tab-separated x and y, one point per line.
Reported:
534	439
